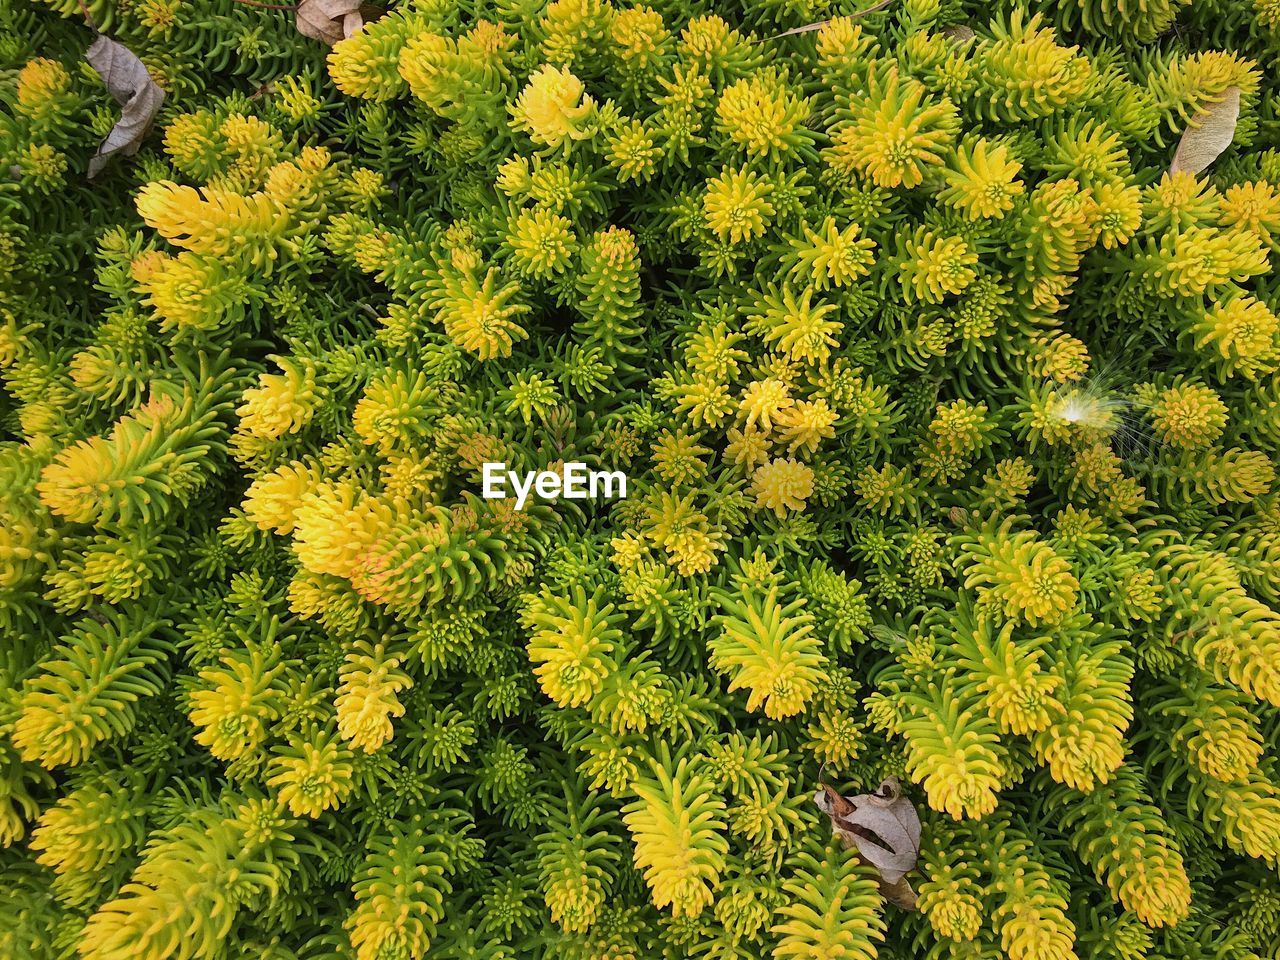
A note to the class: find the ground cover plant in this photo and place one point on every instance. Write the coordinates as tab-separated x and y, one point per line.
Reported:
938	341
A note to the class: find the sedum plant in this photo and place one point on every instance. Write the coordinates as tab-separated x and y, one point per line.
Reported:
945	387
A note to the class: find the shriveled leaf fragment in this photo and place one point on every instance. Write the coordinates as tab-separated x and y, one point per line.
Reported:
139	96
329	20
885	828
958	32
819	24
1209	133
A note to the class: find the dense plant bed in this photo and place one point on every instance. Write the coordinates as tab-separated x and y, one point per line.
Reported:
937	343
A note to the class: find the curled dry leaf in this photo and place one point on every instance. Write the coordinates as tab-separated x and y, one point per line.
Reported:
329	20
1210	132
139	97
885	829
819	24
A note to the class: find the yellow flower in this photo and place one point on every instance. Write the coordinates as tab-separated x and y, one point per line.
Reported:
831	255
480	315
956	914
1119	213
42	88
628	550
737	205
1225	747
714	46
364	187
272	499
252	144
553	107
365	63
514	176
1189	416
894	134
1194	260
637	35
220	222
683	531
806	425
43	164
293	97
13	342
1242	332
394	410
982	180
191	291
706	400
763	400
1254	207
680	846
805	331
366	702
1267	13
235	703
769	649
633	151
782	485
1026	73
334	526
145	265
835	738
748	447
714	352
932	267
1062	358
960	427
1178	201
280	403
763	116
312	777
571	645
541	242
1024	575
677	457
841	41
406	477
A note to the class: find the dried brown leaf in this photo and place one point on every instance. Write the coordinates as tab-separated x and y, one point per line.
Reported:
328	20
1209	133
835	806
819	24
894	821
139	96
958	32
885	829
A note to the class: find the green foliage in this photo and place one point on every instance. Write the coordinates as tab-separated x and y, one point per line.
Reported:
948	413
834	910
86	691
